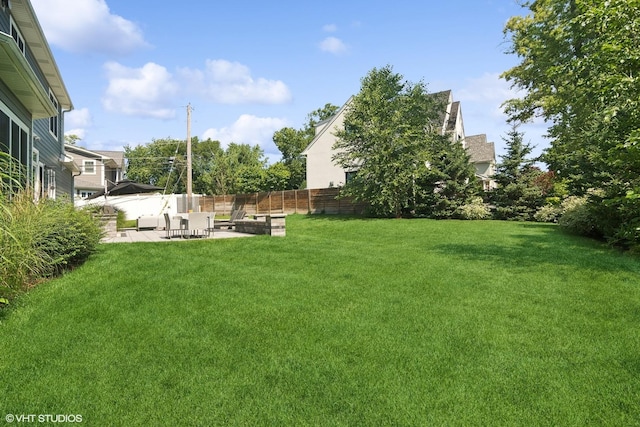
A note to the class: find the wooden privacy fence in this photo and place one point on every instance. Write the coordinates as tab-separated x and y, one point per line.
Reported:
325	200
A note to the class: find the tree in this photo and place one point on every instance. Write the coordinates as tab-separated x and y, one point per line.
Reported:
238	169
162	162
449	182
292	142
387	139
71	139
521	185
580	62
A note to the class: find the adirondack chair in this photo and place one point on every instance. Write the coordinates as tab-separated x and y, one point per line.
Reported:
229	223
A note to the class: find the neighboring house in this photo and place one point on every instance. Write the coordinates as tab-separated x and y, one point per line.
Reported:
33	98
322	172
98	169
483	157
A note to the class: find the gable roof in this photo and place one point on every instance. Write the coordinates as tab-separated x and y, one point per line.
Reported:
113	159
323	126
117	156
480	150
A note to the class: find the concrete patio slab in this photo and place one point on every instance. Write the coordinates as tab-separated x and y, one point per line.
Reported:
132	235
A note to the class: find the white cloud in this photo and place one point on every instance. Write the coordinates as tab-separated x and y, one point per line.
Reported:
80	133
76	122
82	26
145	92
249	129
228	82
488	87
333	45
330	28
78	118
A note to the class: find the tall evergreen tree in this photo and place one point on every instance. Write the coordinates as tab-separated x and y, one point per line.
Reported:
519	194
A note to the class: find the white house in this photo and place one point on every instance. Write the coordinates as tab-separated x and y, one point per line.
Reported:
322	172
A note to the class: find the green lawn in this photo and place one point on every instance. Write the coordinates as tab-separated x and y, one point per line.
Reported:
343	322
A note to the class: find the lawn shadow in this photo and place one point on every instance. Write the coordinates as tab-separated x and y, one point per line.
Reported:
546	244
336	217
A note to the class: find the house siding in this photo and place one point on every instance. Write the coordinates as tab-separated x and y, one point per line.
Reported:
50	148
4	20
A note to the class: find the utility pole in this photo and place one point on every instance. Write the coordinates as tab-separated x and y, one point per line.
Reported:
189	178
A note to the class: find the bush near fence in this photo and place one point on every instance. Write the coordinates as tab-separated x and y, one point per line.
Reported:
314	201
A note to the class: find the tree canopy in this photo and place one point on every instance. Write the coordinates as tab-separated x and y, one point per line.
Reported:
579	69
240	168
388	139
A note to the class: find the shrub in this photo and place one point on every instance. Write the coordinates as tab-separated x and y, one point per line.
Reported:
476	209
548	213
577	218
616	211
41	239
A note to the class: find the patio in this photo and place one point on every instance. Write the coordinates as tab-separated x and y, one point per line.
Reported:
131	235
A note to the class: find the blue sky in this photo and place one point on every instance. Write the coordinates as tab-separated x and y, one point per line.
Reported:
249	68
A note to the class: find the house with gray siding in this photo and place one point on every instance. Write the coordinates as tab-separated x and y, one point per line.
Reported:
98	169
33	99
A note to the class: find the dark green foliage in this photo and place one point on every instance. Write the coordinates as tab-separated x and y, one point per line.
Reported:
448	183
617	215
238	169
404	167
576	217
522	187
580	62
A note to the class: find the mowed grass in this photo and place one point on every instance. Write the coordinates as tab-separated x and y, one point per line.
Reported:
343	322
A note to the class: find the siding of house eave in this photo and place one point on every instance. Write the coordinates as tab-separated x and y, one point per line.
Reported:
49	74
321	170
87	181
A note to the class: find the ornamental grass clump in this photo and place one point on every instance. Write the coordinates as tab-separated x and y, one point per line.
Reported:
40	239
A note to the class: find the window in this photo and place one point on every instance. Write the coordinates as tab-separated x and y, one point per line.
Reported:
349	176
54	121
51	183
14	140
38	176
15	33
89	167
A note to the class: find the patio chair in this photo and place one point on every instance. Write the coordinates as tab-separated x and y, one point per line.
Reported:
229	223
198	224
173	225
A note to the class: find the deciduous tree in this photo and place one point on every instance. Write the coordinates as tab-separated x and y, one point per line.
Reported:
579	69
389	139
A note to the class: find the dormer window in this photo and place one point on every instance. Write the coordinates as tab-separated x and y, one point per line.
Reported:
15	33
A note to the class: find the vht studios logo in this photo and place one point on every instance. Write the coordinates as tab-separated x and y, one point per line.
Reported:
43	418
